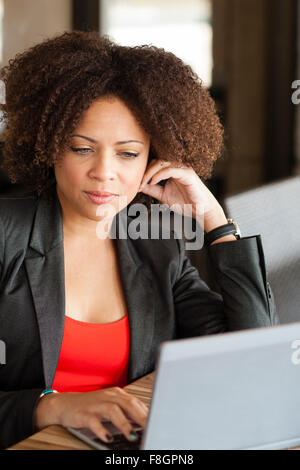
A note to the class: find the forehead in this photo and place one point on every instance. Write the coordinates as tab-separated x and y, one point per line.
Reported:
112	116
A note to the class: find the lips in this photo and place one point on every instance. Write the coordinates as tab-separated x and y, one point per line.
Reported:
100	197
101	193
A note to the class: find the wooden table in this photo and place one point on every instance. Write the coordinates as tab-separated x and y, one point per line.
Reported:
58	438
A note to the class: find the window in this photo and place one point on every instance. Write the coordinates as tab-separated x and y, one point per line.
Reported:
179	26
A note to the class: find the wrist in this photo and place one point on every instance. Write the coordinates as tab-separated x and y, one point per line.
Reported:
47	411
227	238
219	229
213	219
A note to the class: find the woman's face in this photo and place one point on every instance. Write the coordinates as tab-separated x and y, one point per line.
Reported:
108	152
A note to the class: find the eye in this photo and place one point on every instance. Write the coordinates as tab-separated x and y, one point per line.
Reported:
84	150
80	150
130	154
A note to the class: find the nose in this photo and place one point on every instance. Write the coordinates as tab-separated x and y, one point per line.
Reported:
103	167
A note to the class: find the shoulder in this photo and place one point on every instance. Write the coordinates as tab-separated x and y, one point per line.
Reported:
16	216
12	206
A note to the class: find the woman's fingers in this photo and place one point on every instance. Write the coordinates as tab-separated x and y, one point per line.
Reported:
144	407
131	405
118	418
94	424
119	407
152	191
134	409
154	167
87	409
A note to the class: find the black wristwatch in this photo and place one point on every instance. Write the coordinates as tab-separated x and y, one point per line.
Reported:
231	228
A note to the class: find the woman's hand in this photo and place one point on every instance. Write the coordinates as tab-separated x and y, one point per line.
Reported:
87	409
184	187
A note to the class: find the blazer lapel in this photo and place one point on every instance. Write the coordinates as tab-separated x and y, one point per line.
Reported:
139	294
45	269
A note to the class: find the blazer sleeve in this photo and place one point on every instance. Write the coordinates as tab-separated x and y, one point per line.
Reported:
246	299
16	407
17	415
2	245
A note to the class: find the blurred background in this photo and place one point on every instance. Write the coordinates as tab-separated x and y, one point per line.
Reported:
247	52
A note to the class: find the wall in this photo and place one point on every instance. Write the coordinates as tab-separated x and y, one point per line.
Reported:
238	51
254	53
27	22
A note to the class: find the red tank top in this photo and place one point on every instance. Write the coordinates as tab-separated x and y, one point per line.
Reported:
92	356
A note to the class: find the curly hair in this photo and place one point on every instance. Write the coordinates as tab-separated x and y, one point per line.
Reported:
50	85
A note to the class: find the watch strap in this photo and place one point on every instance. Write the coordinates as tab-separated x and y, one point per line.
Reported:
227	229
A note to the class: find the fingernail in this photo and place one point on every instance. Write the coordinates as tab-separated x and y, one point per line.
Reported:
109	438
133	436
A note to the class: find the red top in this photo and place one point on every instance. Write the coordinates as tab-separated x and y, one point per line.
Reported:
92	356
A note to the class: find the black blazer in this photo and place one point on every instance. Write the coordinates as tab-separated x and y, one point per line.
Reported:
165	299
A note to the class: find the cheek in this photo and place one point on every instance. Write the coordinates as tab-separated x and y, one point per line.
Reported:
134	178
69	174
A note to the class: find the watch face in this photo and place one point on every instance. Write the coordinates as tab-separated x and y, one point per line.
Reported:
237	228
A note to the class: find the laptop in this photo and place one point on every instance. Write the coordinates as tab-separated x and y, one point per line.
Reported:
237	390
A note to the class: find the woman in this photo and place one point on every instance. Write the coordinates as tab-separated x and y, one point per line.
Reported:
85	314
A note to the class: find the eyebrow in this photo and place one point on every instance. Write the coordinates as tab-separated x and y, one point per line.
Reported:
95	141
